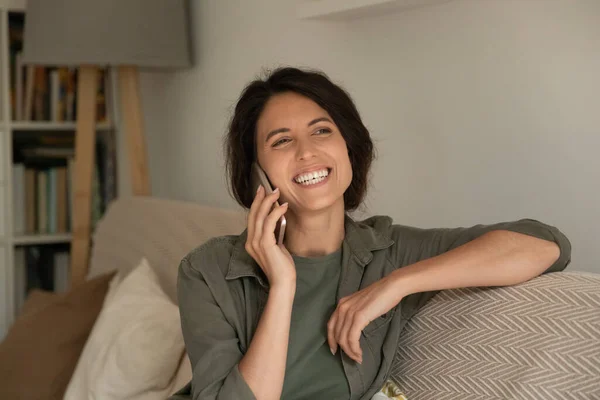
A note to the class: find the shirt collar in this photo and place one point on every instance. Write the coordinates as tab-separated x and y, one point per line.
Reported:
361	238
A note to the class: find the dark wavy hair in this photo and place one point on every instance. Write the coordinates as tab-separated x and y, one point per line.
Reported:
240	141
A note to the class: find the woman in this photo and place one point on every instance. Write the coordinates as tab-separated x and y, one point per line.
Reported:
319	316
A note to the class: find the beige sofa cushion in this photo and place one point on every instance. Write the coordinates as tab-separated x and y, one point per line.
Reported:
537	340
183	375
161	230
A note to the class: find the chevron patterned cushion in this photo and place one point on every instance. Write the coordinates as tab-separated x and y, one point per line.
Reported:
537	340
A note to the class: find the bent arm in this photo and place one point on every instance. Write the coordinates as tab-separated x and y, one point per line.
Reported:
220	371
499	254
263	366
497	258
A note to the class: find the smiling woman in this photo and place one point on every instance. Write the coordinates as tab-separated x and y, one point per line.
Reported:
319	316
317	107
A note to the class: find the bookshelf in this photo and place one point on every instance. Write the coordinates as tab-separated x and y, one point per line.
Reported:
52	126
36	168
20	240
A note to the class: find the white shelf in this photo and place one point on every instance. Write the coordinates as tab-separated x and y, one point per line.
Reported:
350	9
13	5
42	239
51	126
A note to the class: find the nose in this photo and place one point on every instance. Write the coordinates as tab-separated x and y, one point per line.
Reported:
304	150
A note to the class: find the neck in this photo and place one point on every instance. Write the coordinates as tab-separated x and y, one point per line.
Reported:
314	234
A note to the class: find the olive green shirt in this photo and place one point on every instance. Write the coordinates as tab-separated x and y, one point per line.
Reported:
311	371
222	293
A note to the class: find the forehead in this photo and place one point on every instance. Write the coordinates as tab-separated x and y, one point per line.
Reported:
287	110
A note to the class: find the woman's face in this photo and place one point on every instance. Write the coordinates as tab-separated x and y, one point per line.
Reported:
303	153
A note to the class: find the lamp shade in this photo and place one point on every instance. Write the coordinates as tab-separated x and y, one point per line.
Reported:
143	33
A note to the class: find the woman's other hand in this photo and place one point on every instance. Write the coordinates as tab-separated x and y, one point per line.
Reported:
354	313
273	259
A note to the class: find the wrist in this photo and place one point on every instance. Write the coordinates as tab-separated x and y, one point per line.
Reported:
283	289
403	282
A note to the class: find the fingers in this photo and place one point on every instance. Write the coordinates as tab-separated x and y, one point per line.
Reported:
260	193
261	213
337	330
330	333
344	329
259	209
271	221
353	339
350	323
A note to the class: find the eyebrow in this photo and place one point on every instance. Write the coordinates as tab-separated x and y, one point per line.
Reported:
281	130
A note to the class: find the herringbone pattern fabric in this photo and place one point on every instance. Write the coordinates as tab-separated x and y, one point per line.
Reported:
537	340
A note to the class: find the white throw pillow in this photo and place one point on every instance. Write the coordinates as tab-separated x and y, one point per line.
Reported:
112	289
135	347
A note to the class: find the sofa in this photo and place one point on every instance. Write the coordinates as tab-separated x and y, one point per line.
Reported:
536	340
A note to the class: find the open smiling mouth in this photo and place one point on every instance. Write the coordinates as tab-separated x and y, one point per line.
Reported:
313	178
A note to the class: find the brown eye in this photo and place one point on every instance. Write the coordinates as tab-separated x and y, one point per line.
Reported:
280	141
322	131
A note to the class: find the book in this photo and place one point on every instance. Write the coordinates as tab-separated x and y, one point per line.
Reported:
54	95
40	93
51	200
19	186
40	107
61	271
61	200
42	201
30	201
28	106
19	87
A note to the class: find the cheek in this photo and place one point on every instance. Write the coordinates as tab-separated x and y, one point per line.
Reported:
344	167
348	171
276	171
345	157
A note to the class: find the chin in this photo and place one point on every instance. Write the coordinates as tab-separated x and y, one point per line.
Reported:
321	204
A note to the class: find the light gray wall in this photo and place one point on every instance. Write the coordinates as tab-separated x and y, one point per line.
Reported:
482	111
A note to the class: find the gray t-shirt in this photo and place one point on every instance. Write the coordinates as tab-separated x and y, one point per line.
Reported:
312	372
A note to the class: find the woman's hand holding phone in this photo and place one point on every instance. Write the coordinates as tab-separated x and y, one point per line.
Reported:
274	259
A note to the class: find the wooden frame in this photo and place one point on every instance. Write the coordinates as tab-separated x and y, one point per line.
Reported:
85	140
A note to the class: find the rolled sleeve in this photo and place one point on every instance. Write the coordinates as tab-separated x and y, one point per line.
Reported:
540	230
416	244
211	342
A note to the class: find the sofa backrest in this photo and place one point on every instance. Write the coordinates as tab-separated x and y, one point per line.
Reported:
161	230
536	340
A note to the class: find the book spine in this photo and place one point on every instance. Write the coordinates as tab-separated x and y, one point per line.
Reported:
52	201
54	95
42	193
30	200
61	272
70	191
70	94
19	198
29	86
19	87
61	199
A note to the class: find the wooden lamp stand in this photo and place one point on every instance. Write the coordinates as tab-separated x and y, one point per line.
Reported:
85	140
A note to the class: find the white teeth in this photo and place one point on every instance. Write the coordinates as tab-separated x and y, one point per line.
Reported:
312	177
313	181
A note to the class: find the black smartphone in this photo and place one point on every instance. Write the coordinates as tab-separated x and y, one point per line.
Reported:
260	178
